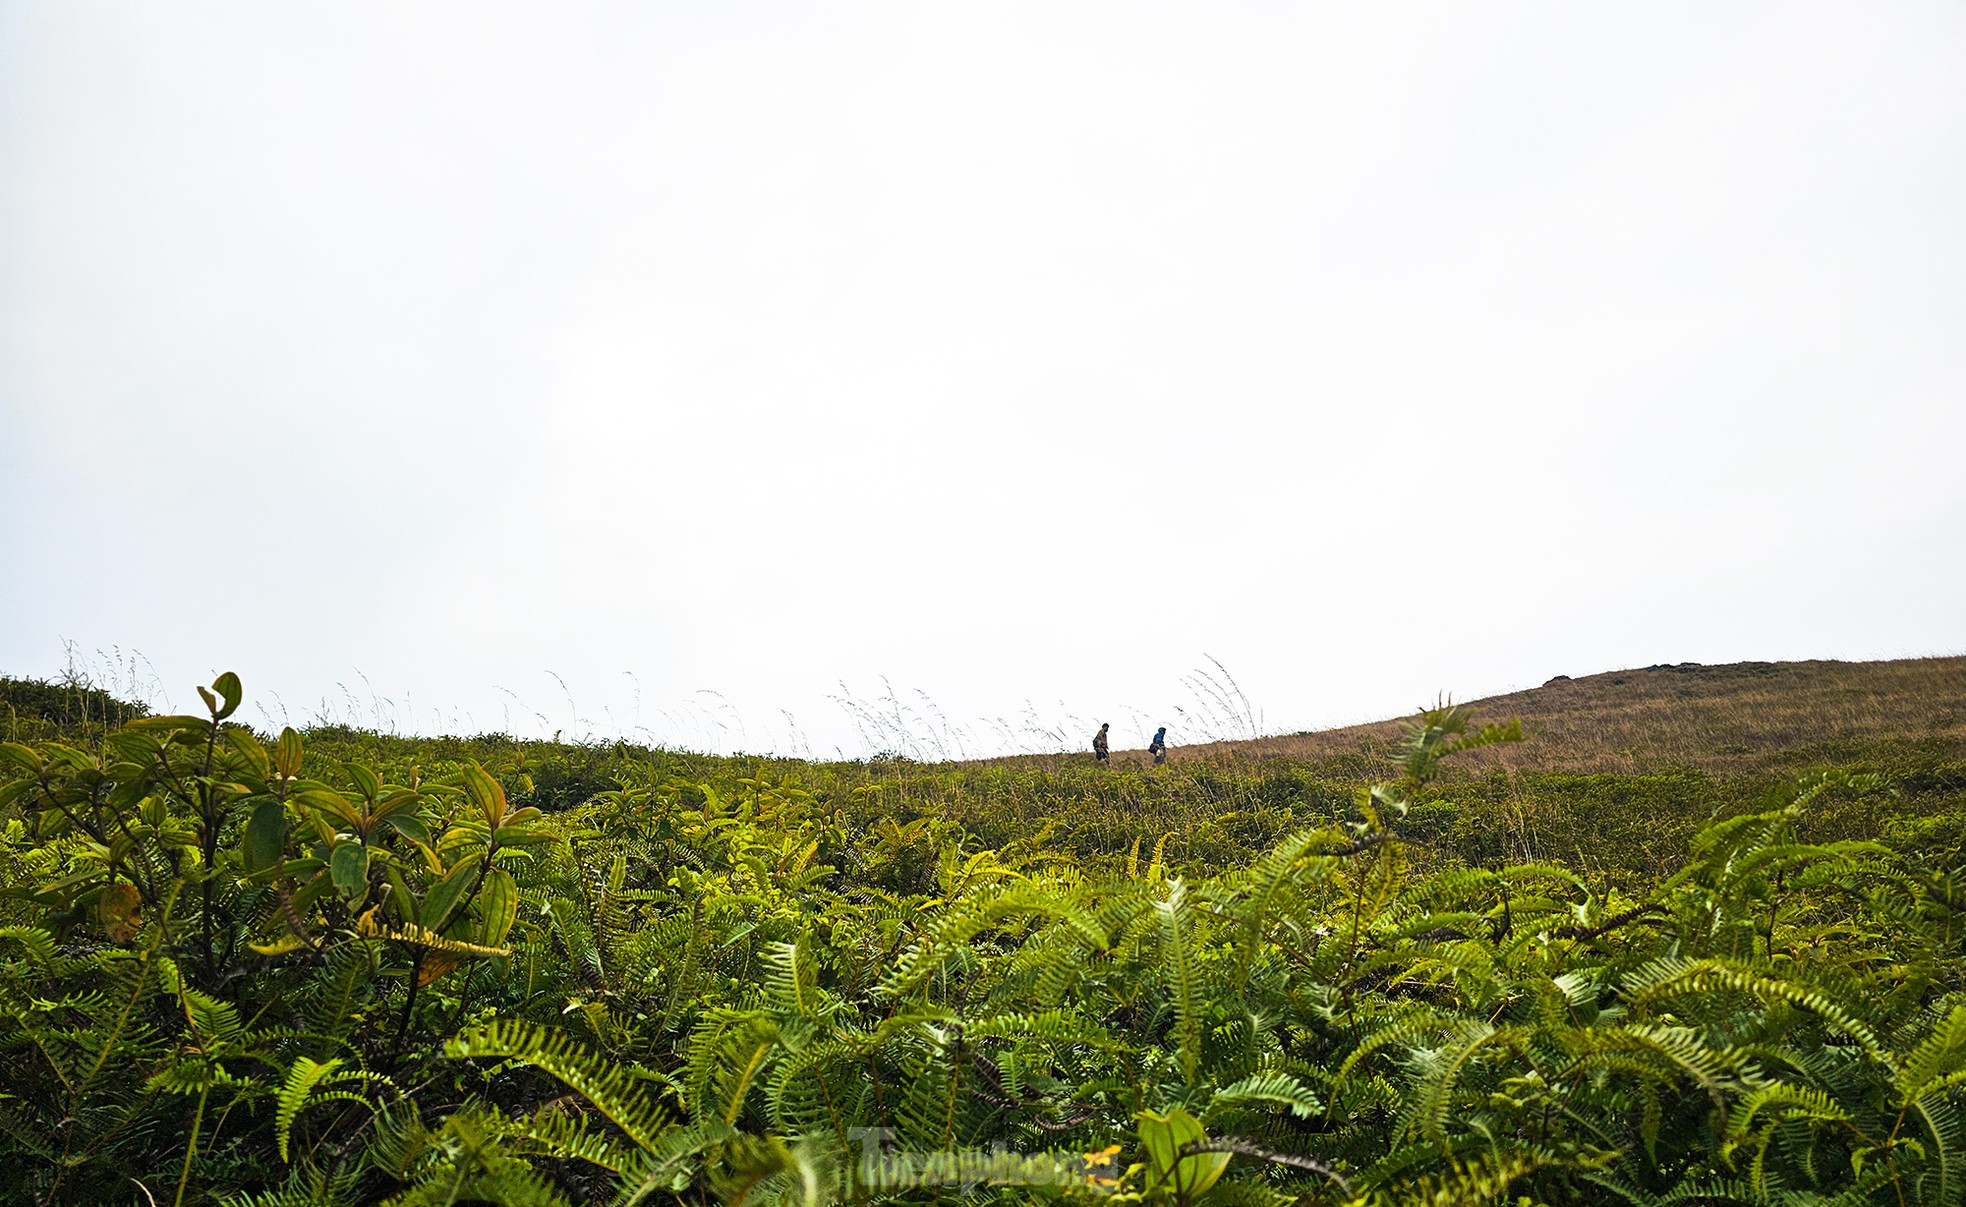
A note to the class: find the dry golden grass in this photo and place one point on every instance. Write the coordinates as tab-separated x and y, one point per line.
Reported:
1739	718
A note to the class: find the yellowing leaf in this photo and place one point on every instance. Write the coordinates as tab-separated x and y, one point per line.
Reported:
436	964
486	793
121	911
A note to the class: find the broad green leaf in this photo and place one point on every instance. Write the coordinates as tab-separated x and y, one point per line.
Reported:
266	836
402	902
520	836
350	868
230	690
396	802
462	836
486	793
409	826
364	779
1162	1137
442	898
241	739
498	902
286	755
334	803
311	892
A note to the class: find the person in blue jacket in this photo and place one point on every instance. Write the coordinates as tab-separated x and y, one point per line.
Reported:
1158	747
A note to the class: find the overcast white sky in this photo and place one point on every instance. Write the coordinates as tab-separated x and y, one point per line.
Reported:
1027	355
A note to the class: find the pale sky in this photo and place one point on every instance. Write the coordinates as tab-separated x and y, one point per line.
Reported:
413	360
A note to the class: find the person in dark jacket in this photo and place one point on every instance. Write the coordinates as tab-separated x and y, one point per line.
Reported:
1158	747
1099	748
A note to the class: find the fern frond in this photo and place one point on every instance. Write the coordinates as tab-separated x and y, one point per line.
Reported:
1061	1026
610	1089
970	917
1273	1087
571	1136
1942	1053
792	978
652	1170
727	1051
308	1082
1437	1072
1178	966
474	1166
1669	978
37	944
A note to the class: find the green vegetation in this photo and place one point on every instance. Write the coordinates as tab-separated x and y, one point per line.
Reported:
340	967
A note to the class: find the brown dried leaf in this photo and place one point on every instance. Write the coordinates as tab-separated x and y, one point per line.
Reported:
436	964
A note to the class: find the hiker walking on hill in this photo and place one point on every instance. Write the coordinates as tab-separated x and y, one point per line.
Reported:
1099	748
1158	747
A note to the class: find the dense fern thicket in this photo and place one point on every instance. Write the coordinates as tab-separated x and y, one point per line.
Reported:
335	967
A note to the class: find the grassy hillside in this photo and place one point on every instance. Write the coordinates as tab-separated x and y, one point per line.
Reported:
1615	772
1741	718
1614	775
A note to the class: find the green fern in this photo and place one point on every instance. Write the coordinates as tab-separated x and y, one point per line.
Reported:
609	1089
